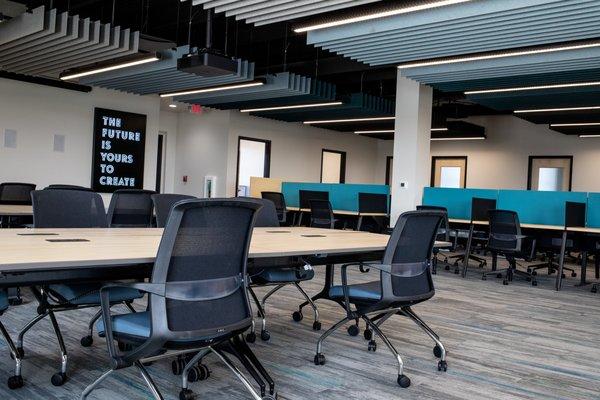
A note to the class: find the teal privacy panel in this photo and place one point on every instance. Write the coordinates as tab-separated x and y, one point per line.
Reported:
539	207
457	201
593	210
342	196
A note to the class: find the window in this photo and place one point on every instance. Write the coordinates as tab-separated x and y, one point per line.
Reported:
550	173
333	166
449	172
254	159
389	170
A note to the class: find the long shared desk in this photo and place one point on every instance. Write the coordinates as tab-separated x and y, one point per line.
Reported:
565	231
9	210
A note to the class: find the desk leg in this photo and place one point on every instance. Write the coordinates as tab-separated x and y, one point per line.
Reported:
561	262
300	214
324	293
359	223
583	272
467	252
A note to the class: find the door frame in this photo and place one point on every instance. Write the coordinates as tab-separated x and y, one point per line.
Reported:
530	165
342	167
388	170
435	158
267	167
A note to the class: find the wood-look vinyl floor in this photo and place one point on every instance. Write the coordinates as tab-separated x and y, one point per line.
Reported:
504	342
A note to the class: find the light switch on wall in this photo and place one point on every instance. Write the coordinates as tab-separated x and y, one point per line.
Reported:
59	143
10	138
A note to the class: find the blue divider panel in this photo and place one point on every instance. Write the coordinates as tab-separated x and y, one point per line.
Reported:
457	201
593	210
343	196
533	207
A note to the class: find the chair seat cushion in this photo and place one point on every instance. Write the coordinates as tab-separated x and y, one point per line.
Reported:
89	293
3	300
370	291
283	275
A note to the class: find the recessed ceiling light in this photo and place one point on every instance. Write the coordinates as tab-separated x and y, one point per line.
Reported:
491	56
439	129
389	13
332	103
541	87
589	136
380	131
459	138
337	121
212	89
543	110
575	124
98	70
173	105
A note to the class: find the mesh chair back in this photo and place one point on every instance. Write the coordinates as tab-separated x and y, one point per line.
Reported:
16	193
306	196
505	231
321	214
203	255
372	203
130	208
408	252
574	214
68	209
163	203
480	208
444	231
67	187
267	216
279	200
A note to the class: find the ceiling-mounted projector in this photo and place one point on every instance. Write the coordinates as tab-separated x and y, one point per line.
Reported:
207	62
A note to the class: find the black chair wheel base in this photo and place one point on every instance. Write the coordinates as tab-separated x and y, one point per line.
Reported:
20	352
372	346
186	394
447	267
505	282
320	359
534	273
316	326
437	351
594	289
368	334
297	316
498	276
573	274
270	397
353	330
265	336
483	277
442	366
456	271
198	373
251	337
87	341
15	382
533	283
403	381
59	379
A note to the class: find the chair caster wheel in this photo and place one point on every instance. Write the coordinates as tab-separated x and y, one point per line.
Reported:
529	270
456	263
353	330
437	351
316	326
573	274
498	276
594	289
481	265
186	394
177	366
59	379
251	337
368	335
456	271
15	382
265	336
320	359
297	316
270	397
198	373
447	267
372	346
484	278
125	346
534	273
442	366
505	282
533	283
87	341
403	381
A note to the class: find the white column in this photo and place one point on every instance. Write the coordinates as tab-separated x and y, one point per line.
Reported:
412	161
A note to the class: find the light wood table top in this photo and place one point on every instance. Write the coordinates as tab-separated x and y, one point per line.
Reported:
14	210
527	226
342	212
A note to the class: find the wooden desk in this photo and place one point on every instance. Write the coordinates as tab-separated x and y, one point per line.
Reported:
9	210
342	212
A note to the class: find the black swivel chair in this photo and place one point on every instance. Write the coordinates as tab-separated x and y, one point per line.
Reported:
369	203
278	272
163	204
321	214
197	294
131	208
279	201
61	186
506	239
15	381
405	280
69	209
305	197
15	193
445	234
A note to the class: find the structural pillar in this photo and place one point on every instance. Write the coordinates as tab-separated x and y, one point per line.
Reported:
412	134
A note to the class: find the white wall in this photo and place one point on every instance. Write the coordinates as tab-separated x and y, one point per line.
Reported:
39	112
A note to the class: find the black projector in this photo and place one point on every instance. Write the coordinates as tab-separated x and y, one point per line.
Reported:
207	64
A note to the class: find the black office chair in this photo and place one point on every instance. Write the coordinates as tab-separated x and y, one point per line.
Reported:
405	280
15	193
445	234
69	209
279	200
278	272
574	217
321	214
506	239
198	296
130	208
372	203
163	204
15	381
305	197
60	186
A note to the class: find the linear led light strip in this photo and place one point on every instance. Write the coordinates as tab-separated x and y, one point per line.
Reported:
333	103
543	110
541	87
459	138
212	89
439	129
575	124
110	68
382	14
589	136
337	121
498	55
392	131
